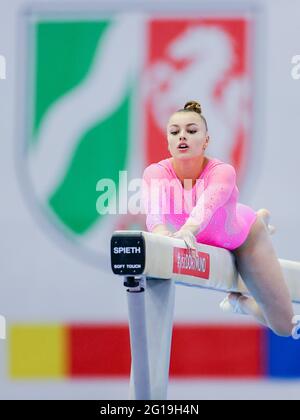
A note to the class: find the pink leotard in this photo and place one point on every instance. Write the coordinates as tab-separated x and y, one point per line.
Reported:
222	221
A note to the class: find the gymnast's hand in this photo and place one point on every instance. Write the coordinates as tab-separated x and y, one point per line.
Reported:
165	233
188	237
162	230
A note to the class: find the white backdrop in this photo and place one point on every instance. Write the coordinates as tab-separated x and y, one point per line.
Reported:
38	278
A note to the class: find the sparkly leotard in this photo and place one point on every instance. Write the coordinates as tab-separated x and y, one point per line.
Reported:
214	207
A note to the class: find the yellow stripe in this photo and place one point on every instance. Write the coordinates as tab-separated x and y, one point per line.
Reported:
38	351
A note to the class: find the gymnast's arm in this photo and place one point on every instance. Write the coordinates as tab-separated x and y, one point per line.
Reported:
221	183
153	202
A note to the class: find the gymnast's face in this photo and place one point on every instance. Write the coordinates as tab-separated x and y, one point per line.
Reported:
187	135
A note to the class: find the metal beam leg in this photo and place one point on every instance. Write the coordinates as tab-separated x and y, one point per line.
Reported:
151	321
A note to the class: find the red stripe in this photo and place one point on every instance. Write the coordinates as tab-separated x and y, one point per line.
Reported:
217	351
197	351
99	350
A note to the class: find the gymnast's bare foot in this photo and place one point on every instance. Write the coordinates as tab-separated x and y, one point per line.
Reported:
243	305
231	304
266	215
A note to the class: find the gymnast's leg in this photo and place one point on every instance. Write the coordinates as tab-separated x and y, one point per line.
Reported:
259	268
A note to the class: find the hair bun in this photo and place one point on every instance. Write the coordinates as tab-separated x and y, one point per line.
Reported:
193	106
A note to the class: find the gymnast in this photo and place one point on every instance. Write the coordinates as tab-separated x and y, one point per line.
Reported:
217	218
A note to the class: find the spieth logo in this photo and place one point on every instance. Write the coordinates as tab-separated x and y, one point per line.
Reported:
127	250
197	264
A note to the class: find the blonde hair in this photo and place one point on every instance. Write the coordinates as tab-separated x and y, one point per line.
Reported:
194	106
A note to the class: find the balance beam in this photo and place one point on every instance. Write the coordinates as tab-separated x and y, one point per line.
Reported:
151	265
144	254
